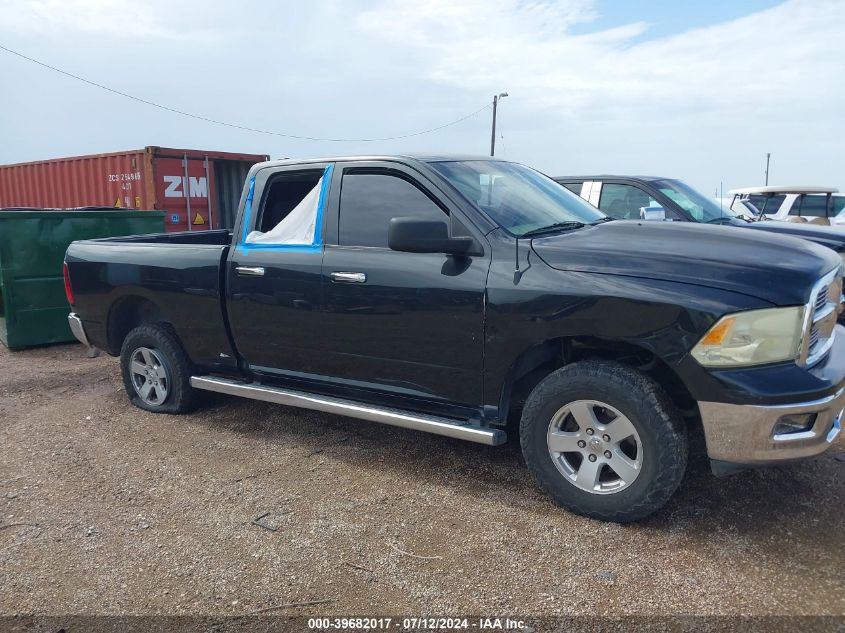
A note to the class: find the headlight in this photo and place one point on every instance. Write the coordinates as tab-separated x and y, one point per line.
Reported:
755	337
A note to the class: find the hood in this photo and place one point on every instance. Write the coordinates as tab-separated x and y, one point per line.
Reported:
774	268
830	236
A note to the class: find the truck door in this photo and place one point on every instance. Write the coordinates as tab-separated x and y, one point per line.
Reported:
405	323
274	270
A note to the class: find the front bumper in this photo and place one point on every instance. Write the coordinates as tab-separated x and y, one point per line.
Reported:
746	434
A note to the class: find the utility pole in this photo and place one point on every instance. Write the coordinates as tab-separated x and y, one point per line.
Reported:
768	156
496	98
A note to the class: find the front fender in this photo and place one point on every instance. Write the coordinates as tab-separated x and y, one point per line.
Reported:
663	318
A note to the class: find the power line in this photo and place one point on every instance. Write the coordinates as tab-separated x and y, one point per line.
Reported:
235	125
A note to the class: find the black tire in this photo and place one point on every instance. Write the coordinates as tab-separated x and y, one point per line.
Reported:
659	426
177	395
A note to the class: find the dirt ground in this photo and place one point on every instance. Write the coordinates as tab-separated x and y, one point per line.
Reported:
107	509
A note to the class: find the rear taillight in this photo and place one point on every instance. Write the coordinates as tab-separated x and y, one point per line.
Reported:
68	287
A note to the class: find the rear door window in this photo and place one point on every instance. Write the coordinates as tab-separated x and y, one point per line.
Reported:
810	206
368	201
574	187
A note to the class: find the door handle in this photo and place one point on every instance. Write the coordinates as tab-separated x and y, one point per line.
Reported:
250	271
349	278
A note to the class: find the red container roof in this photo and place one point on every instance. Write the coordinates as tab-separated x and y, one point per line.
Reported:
171	152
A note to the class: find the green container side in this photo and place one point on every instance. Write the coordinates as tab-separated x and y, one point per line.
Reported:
33	308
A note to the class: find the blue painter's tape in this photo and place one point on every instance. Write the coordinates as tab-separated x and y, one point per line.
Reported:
315	245
301	248
248	209
321	205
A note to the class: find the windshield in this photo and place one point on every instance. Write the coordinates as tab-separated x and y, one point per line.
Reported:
516	197
700	207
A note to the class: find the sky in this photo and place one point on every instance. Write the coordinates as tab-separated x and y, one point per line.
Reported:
699	91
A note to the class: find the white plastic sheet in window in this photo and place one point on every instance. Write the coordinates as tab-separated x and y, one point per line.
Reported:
297	227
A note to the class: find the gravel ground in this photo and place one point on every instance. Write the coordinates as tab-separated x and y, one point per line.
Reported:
107	509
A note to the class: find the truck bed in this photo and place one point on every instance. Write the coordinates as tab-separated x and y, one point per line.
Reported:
174	277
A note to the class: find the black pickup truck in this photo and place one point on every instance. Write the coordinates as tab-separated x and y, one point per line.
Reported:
451	295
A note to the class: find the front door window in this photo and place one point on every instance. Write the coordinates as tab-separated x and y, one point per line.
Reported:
624	202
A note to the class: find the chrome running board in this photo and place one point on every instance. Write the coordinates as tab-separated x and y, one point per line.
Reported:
395	417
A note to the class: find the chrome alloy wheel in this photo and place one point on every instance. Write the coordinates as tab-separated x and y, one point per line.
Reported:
595	446
150	377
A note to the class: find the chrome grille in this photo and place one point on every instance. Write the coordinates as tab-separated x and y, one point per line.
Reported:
822	312
821	299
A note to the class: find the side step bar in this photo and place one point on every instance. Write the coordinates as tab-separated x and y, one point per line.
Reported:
394	417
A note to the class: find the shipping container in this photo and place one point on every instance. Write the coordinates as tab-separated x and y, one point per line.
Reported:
196	189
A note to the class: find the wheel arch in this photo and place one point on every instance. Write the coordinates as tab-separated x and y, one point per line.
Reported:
127	313
538	361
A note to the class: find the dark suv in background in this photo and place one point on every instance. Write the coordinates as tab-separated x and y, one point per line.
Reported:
623	197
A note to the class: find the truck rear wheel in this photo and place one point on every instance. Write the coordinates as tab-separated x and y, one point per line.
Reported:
156	370
604	441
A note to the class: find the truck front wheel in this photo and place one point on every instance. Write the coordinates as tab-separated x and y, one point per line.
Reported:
604	440
156	370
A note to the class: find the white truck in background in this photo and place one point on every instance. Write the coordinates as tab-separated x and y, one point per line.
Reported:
816	205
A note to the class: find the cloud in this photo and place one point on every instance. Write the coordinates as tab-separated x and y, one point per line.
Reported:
704	104
105	17
529	49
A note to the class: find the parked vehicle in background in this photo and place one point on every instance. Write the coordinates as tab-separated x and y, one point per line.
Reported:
837	201
150	178
623	197
742	212
745	210
816	205
453	295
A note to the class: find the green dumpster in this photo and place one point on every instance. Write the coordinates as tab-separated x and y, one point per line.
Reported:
33	307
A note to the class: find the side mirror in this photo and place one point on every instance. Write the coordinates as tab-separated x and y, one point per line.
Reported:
415	235
652	213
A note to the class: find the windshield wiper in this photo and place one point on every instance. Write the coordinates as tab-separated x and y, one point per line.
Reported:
602	220
554	228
